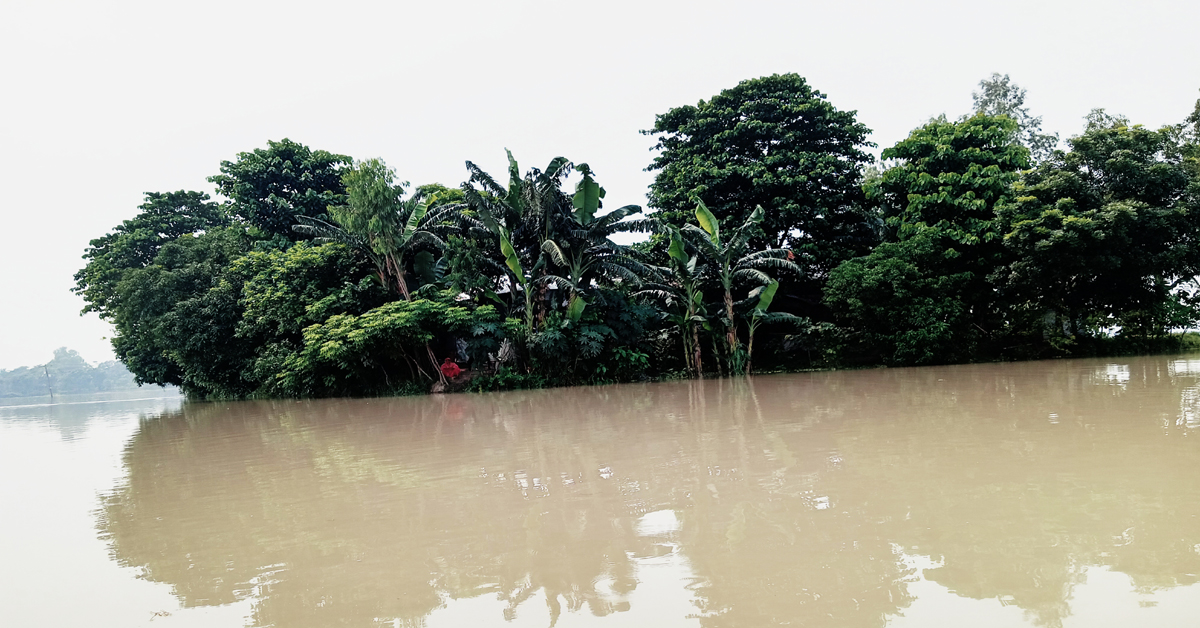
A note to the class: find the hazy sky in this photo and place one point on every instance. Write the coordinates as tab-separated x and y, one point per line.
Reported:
102	101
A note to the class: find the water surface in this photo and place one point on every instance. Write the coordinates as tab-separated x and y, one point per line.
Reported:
1033	494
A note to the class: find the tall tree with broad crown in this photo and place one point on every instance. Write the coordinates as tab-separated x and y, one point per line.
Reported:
925	295
269	188
777	143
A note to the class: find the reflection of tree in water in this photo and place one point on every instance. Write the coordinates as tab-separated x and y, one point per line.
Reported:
1020	478
794	494
345	512
762	532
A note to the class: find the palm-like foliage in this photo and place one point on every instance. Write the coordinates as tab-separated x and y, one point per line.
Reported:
678	287
379	222
586	253
544	235
759	315
730	260
516	220
391	226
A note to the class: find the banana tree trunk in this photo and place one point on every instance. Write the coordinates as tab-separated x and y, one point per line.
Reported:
750	351
731	334
687	347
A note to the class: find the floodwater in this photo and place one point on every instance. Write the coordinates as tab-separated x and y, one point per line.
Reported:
1059	493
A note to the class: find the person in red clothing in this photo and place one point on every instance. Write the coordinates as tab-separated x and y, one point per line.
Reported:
450	369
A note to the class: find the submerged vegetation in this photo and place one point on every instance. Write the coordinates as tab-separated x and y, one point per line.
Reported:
773	242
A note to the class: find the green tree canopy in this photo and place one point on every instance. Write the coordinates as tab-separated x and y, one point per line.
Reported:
153	331
135	243
269	187
1108	233
925	295
773	142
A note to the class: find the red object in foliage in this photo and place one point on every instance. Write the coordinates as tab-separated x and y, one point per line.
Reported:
450	369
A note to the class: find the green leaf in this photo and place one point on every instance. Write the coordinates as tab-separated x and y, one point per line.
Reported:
515	183
756	216
575	308
510	257
556	255
426	267
587	198
414	220
766	296
676	250
707	221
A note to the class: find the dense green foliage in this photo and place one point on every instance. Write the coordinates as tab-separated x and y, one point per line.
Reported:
777	143
924	294
772	246
268	188
66	374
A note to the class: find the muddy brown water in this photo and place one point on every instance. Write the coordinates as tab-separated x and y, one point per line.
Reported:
1059	493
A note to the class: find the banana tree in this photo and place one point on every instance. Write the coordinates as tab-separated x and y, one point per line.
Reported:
730	260
520	277
530	210
760	315
583	249
678	286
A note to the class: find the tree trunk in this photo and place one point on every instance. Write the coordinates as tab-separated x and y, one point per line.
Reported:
696	352
731	334
687	347
750	351
398	269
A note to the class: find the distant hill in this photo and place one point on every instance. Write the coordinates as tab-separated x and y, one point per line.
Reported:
68	373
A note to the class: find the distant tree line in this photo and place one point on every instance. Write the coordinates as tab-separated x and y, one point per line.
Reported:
67	374
775	242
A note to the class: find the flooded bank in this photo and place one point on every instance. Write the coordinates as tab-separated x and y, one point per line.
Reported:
1030	494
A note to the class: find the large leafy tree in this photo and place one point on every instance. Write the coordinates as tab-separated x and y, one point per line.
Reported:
219	321
270	187
163	217
925	295
280	293
777	143
1108	233
166	315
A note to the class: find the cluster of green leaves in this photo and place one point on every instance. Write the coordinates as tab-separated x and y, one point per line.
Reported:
924	294
350	355
268	188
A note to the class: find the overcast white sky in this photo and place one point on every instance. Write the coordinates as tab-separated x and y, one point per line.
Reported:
102	101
